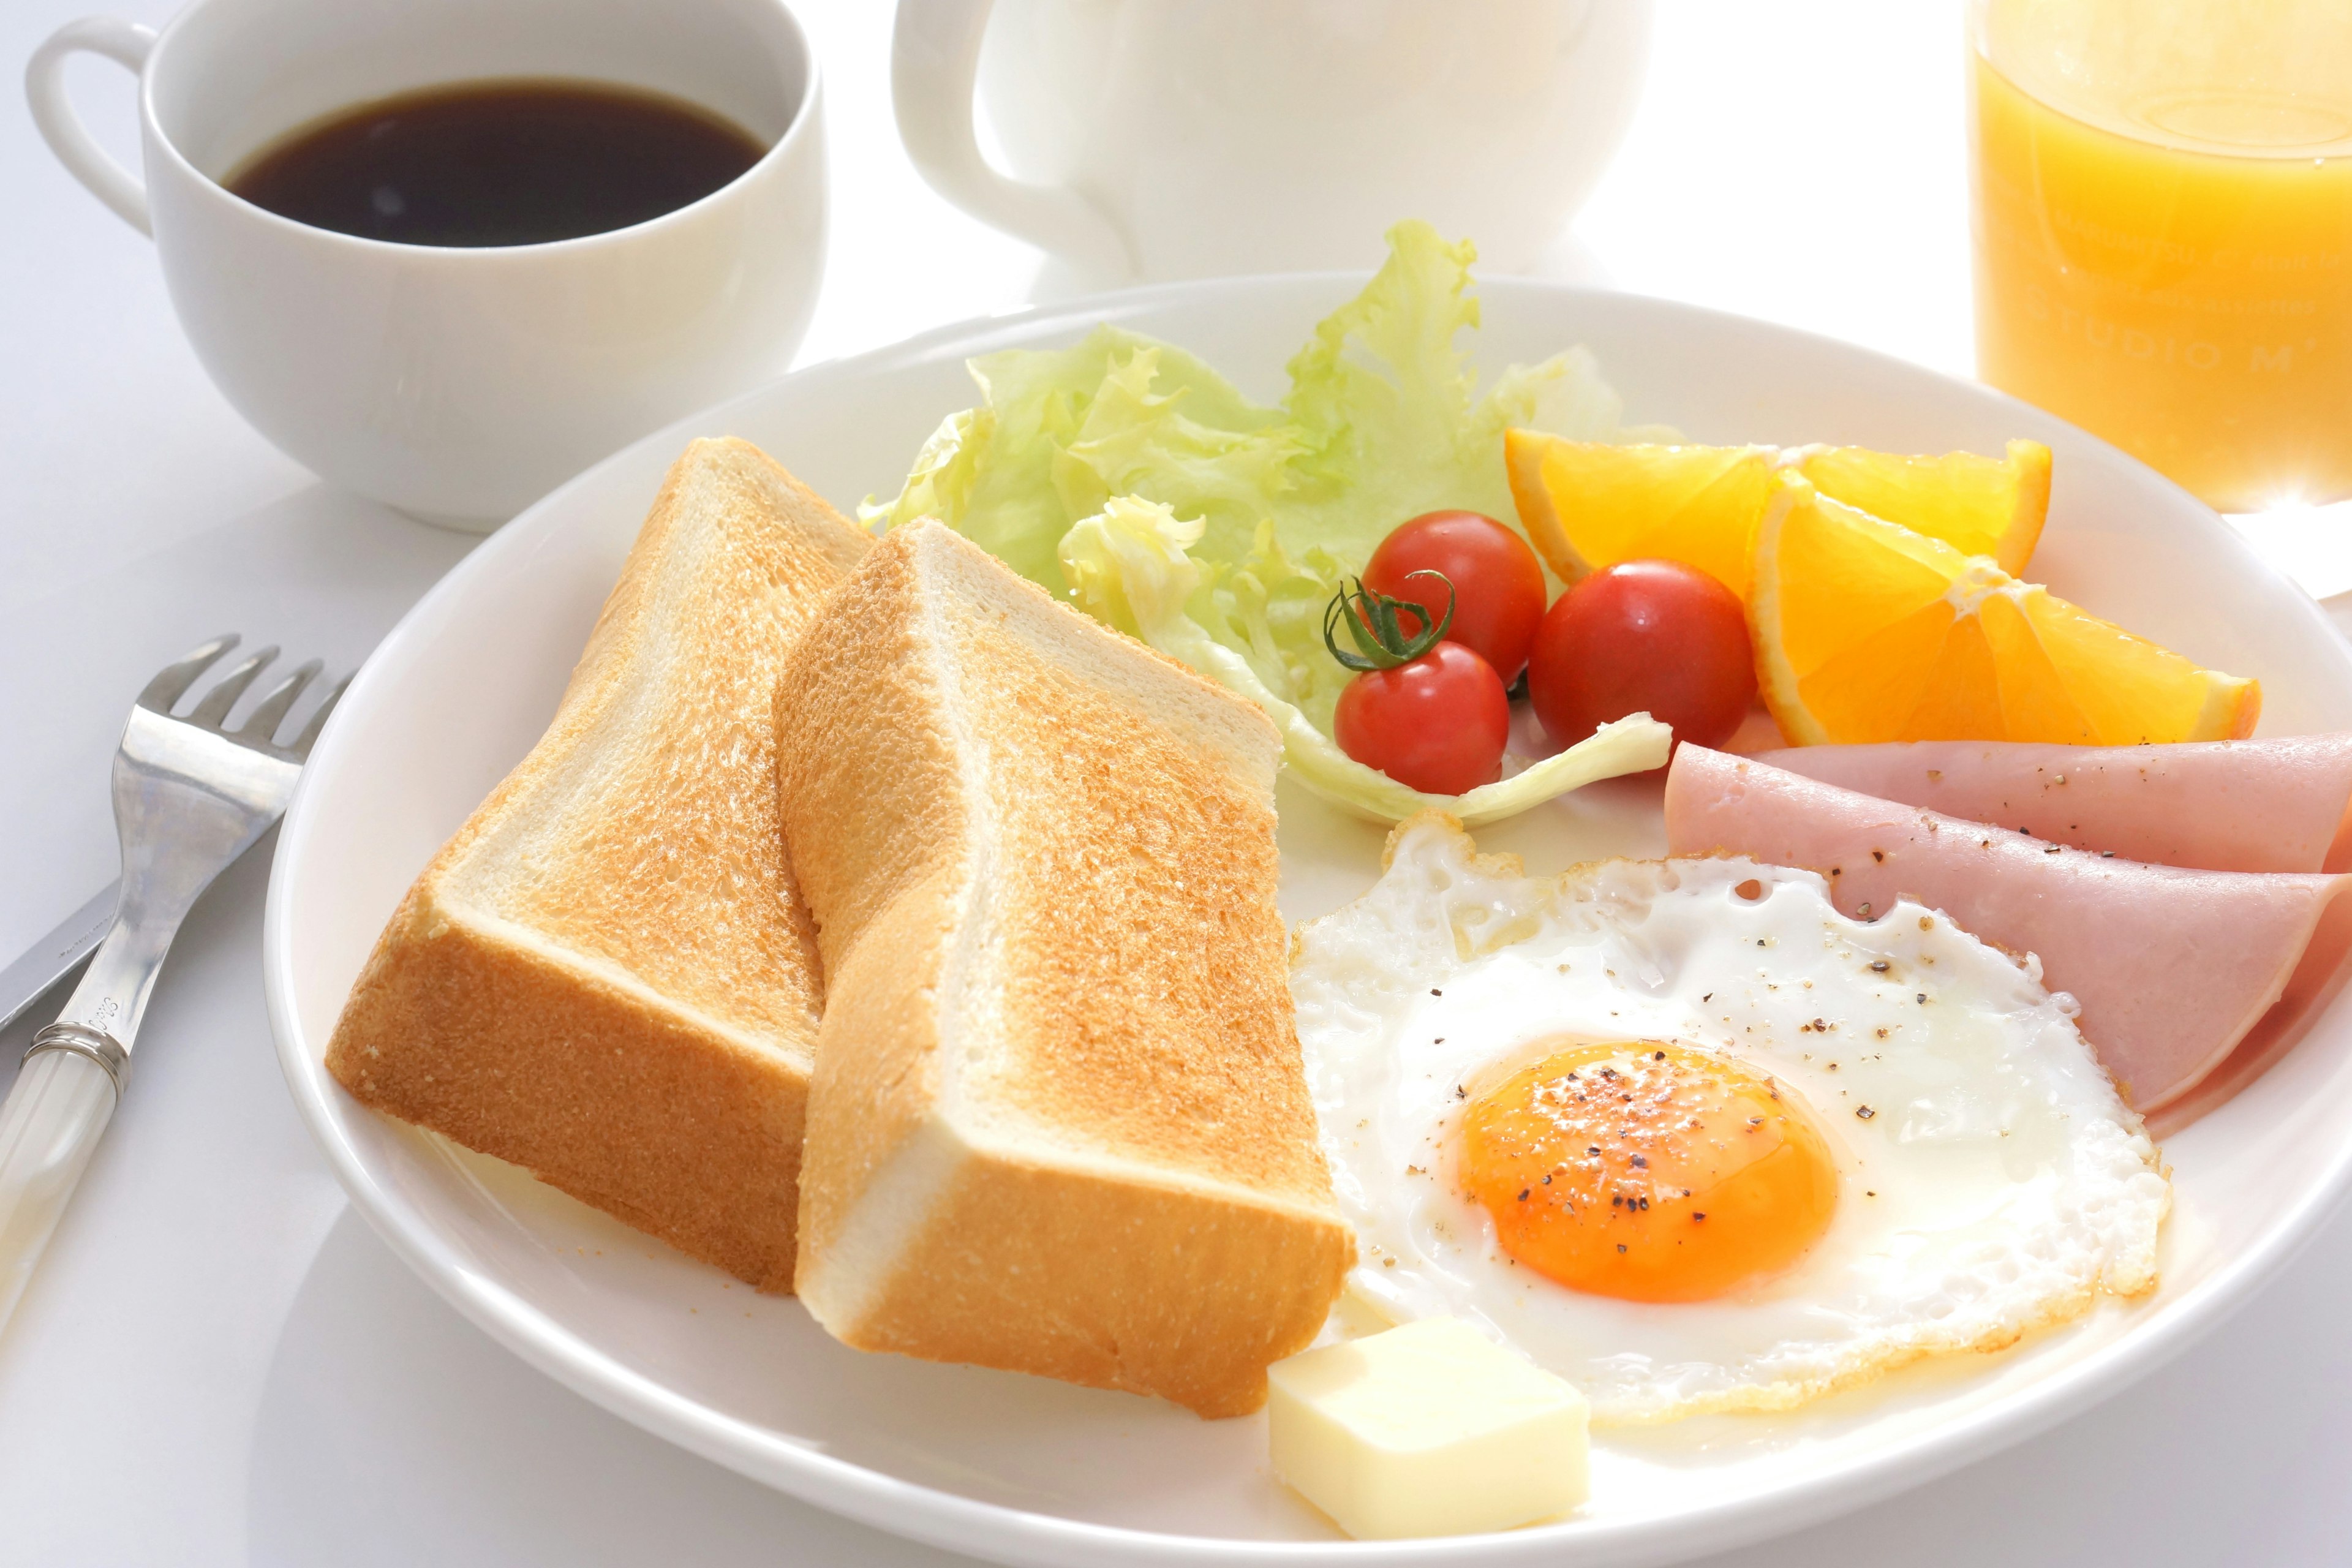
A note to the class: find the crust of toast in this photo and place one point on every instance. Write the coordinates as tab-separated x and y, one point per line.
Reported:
608	975
1059	1122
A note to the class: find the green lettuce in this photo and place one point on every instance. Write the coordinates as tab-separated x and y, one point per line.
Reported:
1130	476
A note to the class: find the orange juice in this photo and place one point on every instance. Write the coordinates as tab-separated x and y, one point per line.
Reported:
2163	232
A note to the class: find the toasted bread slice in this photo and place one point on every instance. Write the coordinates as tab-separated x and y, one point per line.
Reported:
1059	1122
608	975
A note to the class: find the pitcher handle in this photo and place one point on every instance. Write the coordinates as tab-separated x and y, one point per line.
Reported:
934	64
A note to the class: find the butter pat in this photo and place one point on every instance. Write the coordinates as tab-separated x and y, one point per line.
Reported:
1429	1429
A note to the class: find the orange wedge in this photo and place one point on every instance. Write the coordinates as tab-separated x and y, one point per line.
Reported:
1866	630
1979	506
1589	504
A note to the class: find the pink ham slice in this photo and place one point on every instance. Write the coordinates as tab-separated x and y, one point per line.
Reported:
2175	968
2223	806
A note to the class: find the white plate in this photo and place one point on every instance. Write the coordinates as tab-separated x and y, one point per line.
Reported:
1025	1471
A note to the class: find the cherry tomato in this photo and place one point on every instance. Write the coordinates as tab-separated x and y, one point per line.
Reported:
1436	724
1499	586
1643	636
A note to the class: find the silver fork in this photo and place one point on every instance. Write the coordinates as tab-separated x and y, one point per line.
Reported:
191	794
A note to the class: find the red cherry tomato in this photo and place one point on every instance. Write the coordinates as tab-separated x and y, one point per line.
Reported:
1643	636
1436	724
1498	585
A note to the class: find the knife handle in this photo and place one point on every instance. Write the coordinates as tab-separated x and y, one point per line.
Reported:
62	1101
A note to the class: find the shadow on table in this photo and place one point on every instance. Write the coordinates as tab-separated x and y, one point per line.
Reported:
393	1432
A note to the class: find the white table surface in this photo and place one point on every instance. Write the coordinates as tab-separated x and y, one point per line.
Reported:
220	1364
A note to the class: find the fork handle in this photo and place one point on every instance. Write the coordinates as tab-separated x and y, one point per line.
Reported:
49	1126
74	1073
75	1069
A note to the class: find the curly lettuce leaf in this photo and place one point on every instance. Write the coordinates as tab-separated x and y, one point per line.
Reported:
1131	565
1382	422
1059	432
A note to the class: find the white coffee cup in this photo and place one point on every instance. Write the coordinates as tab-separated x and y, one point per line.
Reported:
1178	138
459	383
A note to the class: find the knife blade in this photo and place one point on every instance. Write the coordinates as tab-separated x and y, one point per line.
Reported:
56	956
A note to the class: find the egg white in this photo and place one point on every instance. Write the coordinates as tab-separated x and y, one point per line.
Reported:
1996	1185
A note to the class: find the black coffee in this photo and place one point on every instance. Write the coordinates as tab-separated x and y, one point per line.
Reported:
499	162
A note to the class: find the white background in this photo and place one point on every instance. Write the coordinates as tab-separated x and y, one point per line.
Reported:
219	1364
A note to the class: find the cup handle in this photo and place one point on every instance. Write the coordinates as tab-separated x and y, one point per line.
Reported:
934	64
126	43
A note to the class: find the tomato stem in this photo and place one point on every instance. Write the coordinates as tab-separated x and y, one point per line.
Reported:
1374	625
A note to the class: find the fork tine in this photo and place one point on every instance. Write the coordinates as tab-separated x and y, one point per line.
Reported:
212	711
300	744
172	682
262	723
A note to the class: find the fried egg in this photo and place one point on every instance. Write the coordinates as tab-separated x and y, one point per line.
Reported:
1690	1138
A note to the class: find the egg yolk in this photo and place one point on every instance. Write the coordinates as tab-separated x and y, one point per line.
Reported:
1647	1172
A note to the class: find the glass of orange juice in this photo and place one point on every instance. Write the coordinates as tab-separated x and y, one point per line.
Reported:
2163	216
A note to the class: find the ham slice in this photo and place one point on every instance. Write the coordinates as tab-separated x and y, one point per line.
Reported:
2221	806
2174	968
